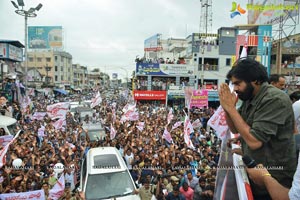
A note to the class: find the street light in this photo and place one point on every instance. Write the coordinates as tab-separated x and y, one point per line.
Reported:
26	14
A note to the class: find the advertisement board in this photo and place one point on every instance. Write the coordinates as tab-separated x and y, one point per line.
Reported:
199	99
164	69
268	12
44	37
149	95
152	43
3	50
15	53
11	52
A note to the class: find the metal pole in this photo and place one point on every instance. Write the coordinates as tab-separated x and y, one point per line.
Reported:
2	77
26	60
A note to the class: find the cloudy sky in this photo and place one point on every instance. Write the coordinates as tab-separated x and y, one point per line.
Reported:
111	33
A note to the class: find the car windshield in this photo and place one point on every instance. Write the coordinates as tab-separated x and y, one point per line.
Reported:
12	129
109	185
96	134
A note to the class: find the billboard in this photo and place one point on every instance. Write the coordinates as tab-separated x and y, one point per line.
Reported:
199	99
164	69
153	43
269	12
44	37
11	52
149	95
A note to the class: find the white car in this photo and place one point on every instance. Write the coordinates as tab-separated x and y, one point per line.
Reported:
104	175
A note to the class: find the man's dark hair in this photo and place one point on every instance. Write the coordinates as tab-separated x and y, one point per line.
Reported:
275	78
295	96
248	70
176	188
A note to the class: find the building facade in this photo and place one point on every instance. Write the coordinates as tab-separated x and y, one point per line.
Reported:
54	66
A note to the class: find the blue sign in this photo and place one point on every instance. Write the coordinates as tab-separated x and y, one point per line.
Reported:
44	37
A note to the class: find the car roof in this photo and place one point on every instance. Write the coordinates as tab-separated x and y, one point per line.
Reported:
105	160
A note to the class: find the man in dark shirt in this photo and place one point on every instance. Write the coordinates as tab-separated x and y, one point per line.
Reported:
265	121
175	195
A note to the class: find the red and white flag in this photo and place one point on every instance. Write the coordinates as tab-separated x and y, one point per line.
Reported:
196	124
4	151
38	115
113	132
58	189
58	110
114	117
140	126
167	135
188	129
96	101
170	116
218	123
59	123
41	131
244	53
176	125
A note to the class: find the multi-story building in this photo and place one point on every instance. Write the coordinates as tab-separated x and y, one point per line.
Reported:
198	61
54	66
80	77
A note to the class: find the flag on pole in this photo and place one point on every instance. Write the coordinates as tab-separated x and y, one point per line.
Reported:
113	132
140	126
170	116
167	136
188	129
244	53
58	189
97	100
176	125
4	151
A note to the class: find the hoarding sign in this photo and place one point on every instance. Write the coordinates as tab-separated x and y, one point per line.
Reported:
3	50
268	12
152	43
44	37
164	69
149	95
11	52
15	53
199	99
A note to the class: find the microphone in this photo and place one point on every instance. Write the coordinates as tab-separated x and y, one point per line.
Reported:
249	162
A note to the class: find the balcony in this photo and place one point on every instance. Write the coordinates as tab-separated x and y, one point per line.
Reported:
178	47
208	67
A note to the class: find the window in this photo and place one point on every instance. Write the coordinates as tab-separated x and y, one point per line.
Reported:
228	61
30	59
62	59
39	59
48	59
62	68
61	78
56	78
55	58
56	68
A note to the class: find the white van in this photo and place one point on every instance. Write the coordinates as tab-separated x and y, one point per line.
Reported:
8	124
104	175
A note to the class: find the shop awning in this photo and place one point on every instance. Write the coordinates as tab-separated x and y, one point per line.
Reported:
64	92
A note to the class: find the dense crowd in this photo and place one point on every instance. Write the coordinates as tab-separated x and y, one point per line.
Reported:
163	166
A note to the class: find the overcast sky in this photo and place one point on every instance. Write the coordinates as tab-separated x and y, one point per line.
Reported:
111	33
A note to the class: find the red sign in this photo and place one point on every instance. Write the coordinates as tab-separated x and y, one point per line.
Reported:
149	95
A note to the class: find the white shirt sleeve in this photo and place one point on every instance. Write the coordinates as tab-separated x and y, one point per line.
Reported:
296	108
294	193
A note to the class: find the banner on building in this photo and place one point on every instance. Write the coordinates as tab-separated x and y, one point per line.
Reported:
164	69
199	99
44	37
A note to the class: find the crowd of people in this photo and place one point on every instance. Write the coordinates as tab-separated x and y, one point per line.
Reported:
161	167
150	158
